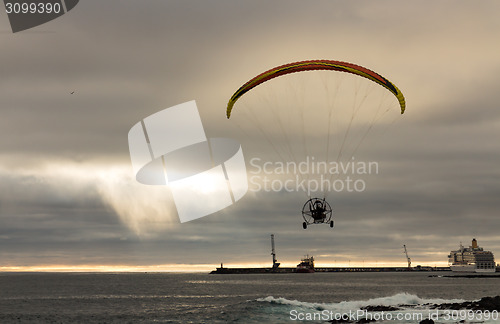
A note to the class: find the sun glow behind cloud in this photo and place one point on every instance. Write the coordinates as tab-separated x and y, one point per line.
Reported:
144	209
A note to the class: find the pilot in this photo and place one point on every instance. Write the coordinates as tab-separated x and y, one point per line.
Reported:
317	210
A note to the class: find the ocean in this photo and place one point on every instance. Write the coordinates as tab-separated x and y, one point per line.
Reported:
233	298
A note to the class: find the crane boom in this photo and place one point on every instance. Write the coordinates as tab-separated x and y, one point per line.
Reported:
407	257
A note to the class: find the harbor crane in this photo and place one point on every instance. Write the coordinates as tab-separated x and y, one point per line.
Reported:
276	264
407	257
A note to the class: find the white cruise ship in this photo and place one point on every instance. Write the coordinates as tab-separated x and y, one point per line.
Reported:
471	259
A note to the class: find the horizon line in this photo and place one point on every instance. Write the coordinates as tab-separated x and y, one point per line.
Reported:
197	267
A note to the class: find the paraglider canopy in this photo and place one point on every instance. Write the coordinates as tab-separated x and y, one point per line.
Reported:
315	65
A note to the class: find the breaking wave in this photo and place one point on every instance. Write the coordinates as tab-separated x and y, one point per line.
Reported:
401	299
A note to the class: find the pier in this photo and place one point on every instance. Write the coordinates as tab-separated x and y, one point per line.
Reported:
223	270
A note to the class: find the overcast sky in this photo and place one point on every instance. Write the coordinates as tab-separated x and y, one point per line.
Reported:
67	191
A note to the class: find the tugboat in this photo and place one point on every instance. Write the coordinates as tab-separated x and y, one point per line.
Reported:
306	265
